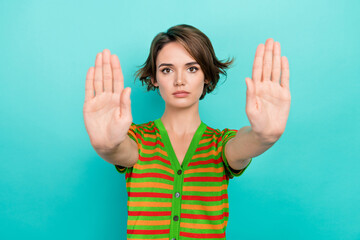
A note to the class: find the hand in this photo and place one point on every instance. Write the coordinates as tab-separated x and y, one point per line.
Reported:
107	114
268	99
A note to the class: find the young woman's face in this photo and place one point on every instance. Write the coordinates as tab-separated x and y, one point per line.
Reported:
176	70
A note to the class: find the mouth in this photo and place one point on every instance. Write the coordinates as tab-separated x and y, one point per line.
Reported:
181	94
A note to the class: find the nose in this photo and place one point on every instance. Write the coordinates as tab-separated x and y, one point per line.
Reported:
178	83
179	79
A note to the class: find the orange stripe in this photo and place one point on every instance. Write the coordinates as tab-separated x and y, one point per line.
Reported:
203	170
205	208
150	135
134	185
148	222
148	239
155	165
133	134
149	204
155	150
205	188
202	141
207	154
201	226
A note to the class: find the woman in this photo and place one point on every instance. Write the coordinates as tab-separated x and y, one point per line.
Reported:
177	171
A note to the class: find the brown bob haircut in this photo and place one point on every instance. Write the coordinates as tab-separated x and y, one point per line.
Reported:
199	47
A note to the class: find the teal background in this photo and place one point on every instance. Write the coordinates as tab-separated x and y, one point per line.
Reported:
54	185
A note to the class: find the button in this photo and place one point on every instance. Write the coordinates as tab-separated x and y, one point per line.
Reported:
179	172
173	239
176	218
177	194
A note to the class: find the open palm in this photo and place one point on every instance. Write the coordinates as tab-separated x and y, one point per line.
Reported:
107	113
268	99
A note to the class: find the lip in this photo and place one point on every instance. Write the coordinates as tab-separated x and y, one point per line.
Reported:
180	94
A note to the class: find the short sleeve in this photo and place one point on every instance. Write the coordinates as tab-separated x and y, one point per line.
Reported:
226	135
132	133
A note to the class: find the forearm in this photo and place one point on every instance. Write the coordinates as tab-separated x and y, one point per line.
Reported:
248	144
123	155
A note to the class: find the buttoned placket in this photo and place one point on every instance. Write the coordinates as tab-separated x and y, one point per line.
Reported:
178	173
176	201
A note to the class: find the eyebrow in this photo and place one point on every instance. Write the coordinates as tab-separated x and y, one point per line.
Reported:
169	64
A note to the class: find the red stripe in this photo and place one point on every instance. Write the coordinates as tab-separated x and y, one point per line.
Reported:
204	179
153	175
150	143
205	198
149	232
206	162
148	127
207	217
154	158
212	144
202	235
149	213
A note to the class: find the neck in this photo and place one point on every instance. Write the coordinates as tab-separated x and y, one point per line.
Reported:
181	121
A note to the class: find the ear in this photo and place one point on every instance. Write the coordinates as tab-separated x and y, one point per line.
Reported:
154	83
206	81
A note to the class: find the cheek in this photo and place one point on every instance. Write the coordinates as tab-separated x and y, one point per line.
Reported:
165	88
201	84
199	89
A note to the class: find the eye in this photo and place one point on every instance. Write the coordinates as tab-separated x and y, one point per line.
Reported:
165	69
193	68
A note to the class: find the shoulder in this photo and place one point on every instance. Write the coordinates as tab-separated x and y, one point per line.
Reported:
143	128
220	133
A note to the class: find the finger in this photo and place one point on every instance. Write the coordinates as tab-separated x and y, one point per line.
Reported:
285	73
250	96
275	77
89	84
107	72
129	104
125	103
118	76
258	62
267	67
98	83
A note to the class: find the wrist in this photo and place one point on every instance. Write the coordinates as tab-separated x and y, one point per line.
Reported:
263	138
107	149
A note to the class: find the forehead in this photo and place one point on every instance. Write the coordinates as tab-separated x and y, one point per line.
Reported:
174	53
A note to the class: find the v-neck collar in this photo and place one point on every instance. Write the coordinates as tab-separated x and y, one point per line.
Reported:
170	150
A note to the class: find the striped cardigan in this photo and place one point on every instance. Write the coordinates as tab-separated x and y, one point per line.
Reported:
169	201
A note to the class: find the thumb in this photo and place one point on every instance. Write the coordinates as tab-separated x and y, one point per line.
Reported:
128	97
125	109
129	103
250	93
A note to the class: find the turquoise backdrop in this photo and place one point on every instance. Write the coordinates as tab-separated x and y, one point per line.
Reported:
54	185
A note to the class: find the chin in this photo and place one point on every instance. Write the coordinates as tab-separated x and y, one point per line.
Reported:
182	103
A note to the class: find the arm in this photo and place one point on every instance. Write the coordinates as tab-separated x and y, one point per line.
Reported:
107	111
267	106
126	154
245	145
